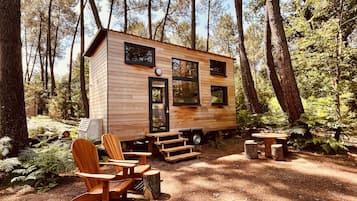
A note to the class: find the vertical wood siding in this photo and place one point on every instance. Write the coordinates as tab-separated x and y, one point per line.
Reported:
128	102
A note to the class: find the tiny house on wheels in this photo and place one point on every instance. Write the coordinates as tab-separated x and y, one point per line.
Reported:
140	87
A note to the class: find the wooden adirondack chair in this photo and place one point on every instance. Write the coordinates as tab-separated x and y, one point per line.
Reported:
99	186
113	147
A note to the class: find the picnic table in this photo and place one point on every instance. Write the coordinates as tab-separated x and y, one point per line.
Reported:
269	139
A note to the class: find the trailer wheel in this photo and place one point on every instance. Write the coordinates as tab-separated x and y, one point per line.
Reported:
196	138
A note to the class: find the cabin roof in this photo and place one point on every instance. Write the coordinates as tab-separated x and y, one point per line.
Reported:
102	34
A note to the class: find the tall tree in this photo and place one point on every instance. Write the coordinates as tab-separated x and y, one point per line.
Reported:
12	105
82	69
149	19
271	66
193	24
125	16
208	20
95	14
289	86
247	80
165	20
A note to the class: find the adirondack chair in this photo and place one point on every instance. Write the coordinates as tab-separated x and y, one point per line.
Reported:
113	147
99	186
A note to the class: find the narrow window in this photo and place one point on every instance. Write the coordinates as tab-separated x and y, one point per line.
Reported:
219	95
217	67
185	82
139	54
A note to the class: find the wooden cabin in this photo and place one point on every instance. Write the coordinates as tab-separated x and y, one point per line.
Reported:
140	86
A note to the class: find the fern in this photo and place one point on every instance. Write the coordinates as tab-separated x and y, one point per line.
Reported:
9	164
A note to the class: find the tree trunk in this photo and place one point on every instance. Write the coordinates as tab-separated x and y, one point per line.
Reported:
49	51
39	53
165	20
52	63
95	14
271	67
339	43
12	104
247	80
208	19
149	19
288	82
193	24
69	94
81	67
110	14
125	16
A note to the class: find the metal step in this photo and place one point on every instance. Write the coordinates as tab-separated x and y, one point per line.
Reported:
180	148
171	141
182	156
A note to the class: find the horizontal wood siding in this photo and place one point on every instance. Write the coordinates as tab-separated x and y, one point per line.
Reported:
128	89
98	84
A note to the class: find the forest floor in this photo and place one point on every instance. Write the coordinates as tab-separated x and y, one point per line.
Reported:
225	174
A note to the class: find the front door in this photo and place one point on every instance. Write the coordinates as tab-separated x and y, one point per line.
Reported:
158	105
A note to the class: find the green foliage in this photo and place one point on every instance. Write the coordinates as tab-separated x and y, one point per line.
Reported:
40	167
5	146
36	131
326	144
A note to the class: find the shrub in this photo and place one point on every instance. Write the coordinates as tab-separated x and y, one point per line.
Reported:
40	167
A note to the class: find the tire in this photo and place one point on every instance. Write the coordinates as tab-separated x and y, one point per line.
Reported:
197	139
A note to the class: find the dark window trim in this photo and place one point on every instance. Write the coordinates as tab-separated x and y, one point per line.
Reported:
189	80
224	74
153	64
225	95
166	100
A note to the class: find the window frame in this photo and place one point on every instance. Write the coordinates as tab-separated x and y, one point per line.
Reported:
225	95
193	80
150	64
224	73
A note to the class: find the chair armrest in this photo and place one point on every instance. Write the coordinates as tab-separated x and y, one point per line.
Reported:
125	165
138	153
101	177
124	161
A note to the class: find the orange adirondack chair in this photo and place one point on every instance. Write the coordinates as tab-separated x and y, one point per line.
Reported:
113	147
99	186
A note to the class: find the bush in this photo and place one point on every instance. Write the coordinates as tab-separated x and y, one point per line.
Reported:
40	166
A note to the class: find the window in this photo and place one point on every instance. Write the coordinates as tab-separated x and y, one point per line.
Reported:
185	82
217	67
138	54
219	95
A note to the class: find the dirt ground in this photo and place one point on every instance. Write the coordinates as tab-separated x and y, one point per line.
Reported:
225	174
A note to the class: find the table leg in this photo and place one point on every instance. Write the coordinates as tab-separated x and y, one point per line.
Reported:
268	142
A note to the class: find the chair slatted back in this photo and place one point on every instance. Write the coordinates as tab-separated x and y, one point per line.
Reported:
86	158
113	147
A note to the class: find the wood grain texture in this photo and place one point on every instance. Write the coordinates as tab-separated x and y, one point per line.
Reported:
128	95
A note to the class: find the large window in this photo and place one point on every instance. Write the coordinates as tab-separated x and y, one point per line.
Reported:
185	82
217	67
139	54
219	95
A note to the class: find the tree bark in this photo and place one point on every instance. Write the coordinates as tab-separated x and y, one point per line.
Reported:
250	93
95	14
288	82
193	24
149	19
165	20
39	53
110	14
12	104
81	67
339	44
208	19
49	50
52	64
125	16
271	67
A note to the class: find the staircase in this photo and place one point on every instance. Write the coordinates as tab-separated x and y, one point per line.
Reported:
173	146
